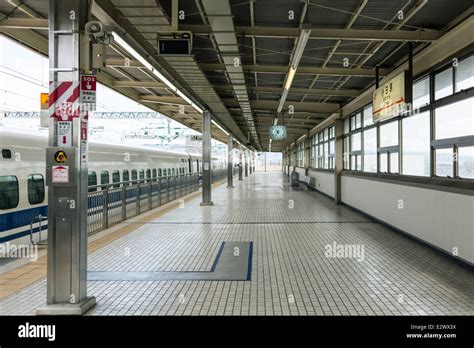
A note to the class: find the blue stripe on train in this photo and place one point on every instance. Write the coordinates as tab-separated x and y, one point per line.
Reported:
22	233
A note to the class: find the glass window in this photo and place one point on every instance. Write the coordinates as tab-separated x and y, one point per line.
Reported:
358	120
353	123
346	153
141	174
370	150
421	93
172	171
346	126
355	142
148	173
35	189
92	181
383	163
444	83
6	154
159	172
134	175
9	195
465	74
125	176
326	154
326	134
116	177
455	119
416	144
368	116
331	147
154	173
389	134
466	162
394	162
104	178
444	162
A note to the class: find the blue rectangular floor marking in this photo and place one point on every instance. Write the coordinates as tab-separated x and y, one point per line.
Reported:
227	266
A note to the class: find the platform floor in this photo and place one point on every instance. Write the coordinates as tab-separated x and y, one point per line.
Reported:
291	273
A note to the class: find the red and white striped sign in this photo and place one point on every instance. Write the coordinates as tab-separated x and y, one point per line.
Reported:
64	100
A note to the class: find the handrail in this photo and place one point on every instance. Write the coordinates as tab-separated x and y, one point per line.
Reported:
39	219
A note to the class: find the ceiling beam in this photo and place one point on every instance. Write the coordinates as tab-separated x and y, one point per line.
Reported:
273	104
312	91
326	33
24	23
302	70
163	100
138	84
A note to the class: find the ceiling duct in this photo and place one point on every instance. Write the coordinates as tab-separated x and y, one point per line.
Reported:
222	25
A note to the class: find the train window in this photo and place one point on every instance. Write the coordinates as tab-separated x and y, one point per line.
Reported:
126	176
9	194
148	173
141	173
92	181
169	172
116	177
35	188
134	176
153	173
6	154
159	172
104	178
172	171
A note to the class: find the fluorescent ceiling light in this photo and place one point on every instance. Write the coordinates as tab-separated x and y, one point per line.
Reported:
218	126
118	39
295	61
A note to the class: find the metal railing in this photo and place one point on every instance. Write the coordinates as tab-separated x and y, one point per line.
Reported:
116	202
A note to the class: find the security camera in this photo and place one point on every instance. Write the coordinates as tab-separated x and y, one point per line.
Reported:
95	28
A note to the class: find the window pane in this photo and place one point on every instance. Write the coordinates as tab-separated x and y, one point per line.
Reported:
346	126
331	147
104	178
346	153
389	134
444	83
466	162
92	181
154	172
355	142
141	173
134	175
394	162
125	176
455	120
444	162
421	93
326	154
465	74
383	162
368	116
326	135
35	189
353	123
358	120
9	194
116	177
370	150
416	144
353	162
148	173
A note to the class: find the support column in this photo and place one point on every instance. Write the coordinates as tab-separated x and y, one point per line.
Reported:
339	158
241	153
66	162
206	158
254	160
250	161
246	163
230	164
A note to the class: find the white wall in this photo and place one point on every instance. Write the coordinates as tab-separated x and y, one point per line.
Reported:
324	182
443	219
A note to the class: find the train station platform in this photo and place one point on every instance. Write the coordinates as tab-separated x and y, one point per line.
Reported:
264	248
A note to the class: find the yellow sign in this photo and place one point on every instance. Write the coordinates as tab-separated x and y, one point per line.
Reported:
44	97
60	156
389	99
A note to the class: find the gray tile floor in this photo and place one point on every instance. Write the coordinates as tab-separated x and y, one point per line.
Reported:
291	273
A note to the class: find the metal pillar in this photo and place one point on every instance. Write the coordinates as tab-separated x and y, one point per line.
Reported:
240	164
246	163
66	162
206	158
250	162
339	158
230	164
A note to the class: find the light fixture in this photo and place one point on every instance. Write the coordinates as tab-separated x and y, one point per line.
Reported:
219	126
295	61
121	42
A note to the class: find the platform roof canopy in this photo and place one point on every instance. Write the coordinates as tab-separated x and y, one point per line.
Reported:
243	52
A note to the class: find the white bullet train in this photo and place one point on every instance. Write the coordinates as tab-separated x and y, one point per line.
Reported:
23	194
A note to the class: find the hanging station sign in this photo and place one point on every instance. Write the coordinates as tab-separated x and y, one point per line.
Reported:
389	100
278	132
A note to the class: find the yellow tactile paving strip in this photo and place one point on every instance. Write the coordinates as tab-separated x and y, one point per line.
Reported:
13	281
